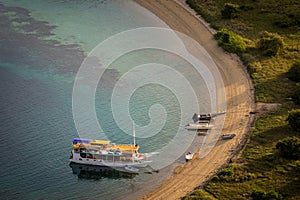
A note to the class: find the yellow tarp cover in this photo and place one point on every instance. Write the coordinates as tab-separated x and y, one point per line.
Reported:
125	147
100	142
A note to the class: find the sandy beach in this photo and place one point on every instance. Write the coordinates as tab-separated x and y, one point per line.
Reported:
239	97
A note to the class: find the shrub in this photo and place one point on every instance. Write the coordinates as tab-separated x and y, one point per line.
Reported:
294	119
296	96
230	10
270	43
226	172
231	41
261	195
288	21
284	23
200	194
289	147
294	72
257	194
197	7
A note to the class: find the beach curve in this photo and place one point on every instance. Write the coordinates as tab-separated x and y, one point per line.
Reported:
239	97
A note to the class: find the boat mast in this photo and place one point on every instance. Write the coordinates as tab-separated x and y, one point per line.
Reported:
133	133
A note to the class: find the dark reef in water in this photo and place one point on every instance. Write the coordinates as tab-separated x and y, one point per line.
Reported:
22	42
25	42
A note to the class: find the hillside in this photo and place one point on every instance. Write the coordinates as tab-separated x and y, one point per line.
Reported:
266	36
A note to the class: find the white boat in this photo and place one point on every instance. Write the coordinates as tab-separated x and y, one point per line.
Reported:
104	153
199	126
131	169
197	117
206	116
189	156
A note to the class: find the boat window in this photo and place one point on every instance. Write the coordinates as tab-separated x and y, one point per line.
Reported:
82	155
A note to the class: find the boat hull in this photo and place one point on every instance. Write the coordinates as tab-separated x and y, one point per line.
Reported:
99	162
198	127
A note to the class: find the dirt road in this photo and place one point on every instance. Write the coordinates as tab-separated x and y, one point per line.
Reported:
239	97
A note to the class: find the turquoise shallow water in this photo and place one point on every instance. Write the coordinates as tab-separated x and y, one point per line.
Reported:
42	46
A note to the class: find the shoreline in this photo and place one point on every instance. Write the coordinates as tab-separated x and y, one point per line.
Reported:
239	100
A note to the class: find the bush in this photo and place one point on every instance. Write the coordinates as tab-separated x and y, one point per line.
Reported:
200	194
257	194
226	172
231	41
296	96
294	72
261	195
288	22
289	147
270	43
294	119
230	10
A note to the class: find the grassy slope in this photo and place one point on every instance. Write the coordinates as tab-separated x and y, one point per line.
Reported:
258	165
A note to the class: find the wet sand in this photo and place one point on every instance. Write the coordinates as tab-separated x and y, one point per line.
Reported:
239	97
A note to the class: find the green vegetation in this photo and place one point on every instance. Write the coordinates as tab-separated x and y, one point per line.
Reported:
269	32
296	96
294	75
200	194
294	72
230	10
294	119
289	148
270	43
230	41
261	195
